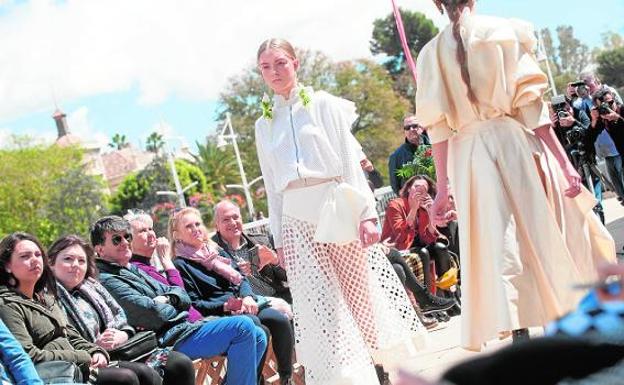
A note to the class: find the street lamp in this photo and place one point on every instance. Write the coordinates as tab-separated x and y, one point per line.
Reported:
179	191
227	132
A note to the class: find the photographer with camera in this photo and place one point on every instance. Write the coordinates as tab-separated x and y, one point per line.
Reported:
607	123
571	128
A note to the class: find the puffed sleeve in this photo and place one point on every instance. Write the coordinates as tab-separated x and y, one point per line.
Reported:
516	83
274	196
340	114
431	95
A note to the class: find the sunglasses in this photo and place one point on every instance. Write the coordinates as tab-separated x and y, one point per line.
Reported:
116	239
412	127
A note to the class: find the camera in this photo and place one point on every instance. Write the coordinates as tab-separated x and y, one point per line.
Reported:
577	83
604	108
560	106
575	136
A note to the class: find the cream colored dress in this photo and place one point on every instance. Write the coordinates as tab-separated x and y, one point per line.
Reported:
523	244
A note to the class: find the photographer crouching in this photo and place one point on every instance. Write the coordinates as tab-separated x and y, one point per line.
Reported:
571	128
607	123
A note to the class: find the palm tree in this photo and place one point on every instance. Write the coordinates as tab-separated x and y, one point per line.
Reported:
154	142
219	166
119	142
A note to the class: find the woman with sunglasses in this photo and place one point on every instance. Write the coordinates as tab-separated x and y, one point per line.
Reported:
98	317
527	230
30	309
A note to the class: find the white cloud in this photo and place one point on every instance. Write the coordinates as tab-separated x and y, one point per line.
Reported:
80	48
80	125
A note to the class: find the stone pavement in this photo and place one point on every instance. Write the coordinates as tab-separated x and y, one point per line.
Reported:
444	350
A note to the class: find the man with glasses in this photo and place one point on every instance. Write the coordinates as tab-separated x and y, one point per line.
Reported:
415	136
151	305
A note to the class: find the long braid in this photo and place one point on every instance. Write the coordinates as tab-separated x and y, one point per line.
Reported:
454	8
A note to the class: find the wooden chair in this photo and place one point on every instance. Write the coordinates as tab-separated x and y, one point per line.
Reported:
212	368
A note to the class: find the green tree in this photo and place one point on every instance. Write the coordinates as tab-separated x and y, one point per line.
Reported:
118	142
218	165
385	41
138	190
611	66
47	192
154	142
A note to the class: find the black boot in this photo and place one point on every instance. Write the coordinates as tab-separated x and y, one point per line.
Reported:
520	335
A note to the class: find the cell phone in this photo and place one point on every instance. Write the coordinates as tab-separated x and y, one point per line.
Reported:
234	304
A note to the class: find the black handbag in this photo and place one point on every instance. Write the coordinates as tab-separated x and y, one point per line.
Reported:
139	346
59	372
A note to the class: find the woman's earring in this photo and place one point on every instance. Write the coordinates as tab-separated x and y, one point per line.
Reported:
11	281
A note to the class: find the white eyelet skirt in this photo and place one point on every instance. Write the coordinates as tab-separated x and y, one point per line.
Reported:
349	306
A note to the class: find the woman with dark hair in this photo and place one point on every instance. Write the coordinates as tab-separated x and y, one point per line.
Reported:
98	317
29	308
523	243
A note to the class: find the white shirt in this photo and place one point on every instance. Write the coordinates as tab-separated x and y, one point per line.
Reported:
314	141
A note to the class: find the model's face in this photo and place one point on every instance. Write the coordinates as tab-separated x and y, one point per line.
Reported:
70	266
144	239
189	230
26	263
116	247
278	70
230	223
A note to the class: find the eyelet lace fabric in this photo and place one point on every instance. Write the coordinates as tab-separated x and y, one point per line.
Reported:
349	308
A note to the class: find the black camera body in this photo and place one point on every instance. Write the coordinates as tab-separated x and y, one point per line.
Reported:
604	108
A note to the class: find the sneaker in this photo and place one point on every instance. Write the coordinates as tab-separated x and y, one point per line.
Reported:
382	375
441	316
435	303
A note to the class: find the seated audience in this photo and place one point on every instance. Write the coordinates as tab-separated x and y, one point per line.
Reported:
150	305
98	317
407	225
215	283
253	253
16	368
31	311
146	246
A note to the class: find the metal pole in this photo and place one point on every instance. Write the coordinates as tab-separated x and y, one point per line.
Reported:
176	180
551	79
250	205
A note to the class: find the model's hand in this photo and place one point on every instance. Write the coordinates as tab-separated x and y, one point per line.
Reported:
369	234
438	209
574	180
98	360
249	306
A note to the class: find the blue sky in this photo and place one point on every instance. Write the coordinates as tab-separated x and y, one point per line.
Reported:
125	66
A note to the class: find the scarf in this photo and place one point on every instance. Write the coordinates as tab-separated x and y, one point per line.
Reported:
211	260
111	314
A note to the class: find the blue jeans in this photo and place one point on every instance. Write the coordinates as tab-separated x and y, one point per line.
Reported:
614	169
238	337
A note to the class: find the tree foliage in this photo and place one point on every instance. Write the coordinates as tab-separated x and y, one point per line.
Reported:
218	165
119	141
154	142
47	192
138	190
385	40
611	66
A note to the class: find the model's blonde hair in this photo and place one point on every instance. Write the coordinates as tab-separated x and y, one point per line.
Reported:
276	43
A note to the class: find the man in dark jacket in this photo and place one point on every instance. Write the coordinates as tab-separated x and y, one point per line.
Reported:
252	253
150	305
415	136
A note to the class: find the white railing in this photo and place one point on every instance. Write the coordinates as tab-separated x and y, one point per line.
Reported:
383	195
